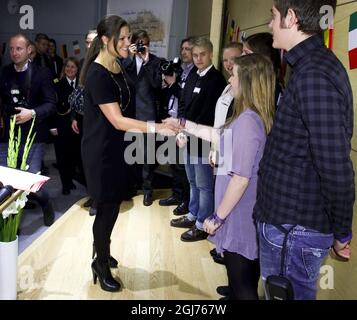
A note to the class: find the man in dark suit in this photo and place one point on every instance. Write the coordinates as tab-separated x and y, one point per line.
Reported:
27	92
172	94
42	59
144	70
198	104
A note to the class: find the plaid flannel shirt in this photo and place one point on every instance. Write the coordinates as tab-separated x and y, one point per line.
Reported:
306	175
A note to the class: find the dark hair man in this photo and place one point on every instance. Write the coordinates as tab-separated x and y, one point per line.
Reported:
144	71
306	178
27	92
172	93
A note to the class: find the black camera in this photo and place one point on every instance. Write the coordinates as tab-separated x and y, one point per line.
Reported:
17	100
140	47
168	68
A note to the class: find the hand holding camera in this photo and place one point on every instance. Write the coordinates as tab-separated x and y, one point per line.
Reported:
141	50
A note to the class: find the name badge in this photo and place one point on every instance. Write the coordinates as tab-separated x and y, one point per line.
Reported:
197	90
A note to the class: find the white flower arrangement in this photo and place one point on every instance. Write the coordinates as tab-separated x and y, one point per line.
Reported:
11	216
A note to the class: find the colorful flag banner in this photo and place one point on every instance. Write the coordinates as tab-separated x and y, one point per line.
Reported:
231	31
64	51
76	48
328	35
2	48
352	46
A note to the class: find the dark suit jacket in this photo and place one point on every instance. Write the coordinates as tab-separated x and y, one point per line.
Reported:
174	90
59	64
200	107
41	98
147	86
45	63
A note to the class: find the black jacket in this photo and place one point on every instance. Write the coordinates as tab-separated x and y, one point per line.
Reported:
147	86
40	96
199	98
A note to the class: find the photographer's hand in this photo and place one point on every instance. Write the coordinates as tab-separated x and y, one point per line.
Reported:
23	116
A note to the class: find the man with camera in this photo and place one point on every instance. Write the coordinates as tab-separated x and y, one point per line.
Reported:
144	70
27	92
174	75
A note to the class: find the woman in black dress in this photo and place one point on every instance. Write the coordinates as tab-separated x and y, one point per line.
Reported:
109	106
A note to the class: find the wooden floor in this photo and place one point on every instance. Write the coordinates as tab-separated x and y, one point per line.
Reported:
153	263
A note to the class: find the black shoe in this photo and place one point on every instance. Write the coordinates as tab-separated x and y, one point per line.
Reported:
92	211
170	201
181	209
66	191
218	259
48	215
223	291
194	234
224	298
106	280
147	199
113	263
88	203
30	205
213	252
182	222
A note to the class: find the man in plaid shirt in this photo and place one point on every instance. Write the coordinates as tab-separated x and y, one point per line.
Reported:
306	178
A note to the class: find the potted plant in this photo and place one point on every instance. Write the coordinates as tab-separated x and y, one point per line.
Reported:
11	216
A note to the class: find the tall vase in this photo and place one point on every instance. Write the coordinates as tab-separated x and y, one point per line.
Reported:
8	270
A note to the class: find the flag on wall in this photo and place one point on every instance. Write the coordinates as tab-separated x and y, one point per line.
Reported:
352	47
76	48
64	51
329	37
231	30
2	48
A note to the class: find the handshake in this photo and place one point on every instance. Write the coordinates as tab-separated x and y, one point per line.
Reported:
173	127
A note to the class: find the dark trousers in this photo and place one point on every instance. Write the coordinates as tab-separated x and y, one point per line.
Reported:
180	185
107	214
67	149
149	165
243	276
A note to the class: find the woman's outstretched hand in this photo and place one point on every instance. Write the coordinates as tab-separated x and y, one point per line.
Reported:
169	128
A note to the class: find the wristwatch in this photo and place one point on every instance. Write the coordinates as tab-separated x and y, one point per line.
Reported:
33	113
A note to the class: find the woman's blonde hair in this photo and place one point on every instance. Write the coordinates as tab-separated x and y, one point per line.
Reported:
256	88
70	59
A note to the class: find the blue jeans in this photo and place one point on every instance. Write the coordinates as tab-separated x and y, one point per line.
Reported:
200	177
306	250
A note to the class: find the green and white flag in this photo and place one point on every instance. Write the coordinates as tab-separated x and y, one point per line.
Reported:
352	48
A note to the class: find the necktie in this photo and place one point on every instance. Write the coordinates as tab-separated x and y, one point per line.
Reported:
72	84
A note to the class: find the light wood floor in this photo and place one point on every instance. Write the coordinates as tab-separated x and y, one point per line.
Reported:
153	263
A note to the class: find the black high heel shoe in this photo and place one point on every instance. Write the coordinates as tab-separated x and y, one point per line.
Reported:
106	280
113	263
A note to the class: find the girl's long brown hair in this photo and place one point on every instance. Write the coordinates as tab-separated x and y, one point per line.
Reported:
256	88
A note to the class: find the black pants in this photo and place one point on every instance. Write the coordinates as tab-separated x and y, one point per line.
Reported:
107	214
243	276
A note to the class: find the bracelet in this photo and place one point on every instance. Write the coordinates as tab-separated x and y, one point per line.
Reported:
182	122
218	219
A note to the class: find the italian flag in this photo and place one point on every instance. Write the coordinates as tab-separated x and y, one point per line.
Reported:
353	41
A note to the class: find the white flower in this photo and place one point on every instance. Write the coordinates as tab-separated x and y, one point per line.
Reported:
11	209
16	206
